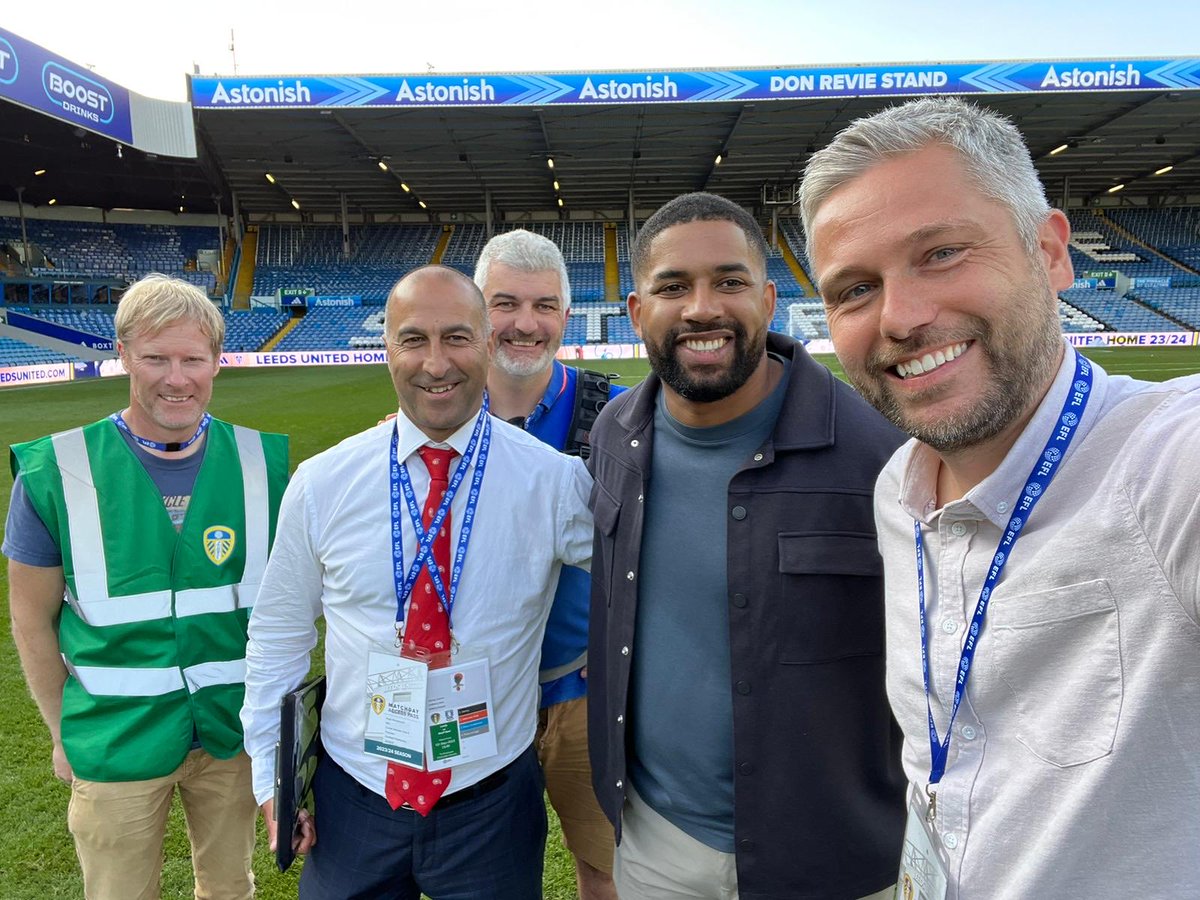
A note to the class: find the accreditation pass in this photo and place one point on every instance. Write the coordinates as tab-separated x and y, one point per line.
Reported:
430	719
460	714
396	688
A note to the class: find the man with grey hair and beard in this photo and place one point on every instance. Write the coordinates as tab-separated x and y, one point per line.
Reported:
1048	692
524	281
740	736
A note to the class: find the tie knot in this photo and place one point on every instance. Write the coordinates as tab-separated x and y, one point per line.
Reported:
437	462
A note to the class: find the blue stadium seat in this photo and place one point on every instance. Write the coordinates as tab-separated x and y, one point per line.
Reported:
123	251
245	330
310	256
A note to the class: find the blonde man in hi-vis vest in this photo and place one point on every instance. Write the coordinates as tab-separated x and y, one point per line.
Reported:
136	545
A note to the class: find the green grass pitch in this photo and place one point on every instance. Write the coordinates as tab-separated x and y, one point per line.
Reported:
317	407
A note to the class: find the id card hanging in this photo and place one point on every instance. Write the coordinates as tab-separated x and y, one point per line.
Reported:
923	862
396	689
460	714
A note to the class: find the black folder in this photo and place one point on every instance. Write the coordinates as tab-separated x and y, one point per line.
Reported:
296	757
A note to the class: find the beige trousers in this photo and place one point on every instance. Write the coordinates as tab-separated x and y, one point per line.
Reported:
657	861
119	829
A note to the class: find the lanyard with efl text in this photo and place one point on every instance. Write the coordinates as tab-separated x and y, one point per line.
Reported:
1039	479
119	421
542	406
402	483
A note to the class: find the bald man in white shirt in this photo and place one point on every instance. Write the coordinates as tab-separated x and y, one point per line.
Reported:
334	556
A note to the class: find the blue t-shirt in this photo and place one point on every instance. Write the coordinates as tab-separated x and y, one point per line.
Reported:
566	637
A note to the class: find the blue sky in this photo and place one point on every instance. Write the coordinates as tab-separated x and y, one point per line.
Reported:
150	46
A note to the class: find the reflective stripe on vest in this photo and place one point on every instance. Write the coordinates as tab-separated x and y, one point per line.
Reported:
207	674
91	600
197	601
109	681
254	481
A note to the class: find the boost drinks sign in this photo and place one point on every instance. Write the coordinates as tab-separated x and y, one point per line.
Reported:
34	77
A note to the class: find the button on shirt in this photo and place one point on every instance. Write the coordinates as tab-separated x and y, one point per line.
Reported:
332	557
1072	769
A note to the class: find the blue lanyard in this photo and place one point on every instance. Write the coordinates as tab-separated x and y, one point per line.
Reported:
544	405
402	483
1039	479
120	422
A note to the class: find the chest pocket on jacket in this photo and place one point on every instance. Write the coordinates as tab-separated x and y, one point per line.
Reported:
831	599
606	511
1059	654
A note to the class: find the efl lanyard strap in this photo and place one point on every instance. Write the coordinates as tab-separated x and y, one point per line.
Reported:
401	482
542	406
120	422
1039	479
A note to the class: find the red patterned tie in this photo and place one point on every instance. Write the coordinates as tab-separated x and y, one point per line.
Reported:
427	631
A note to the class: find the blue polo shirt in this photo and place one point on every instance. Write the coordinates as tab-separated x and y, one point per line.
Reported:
567	629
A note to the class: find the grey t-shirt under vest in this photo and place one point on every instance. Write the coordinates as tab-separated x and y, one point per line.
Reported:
27	540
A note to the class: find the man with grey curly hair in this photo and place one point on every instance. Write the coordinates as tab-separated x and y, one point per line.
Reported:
524	281
136	547
1039	531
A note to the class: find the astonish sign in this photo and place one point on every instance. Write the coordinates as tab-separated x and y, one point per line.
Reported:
695	85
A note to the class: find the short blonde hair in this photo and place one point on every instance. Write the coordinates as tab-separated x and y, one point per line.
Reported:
152	303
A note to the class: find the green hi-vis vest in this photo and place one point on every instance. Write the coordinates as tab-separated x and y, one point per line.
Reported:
153	627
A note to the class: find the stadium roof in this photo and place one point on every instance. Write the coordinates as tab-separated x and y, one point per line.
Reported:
452	158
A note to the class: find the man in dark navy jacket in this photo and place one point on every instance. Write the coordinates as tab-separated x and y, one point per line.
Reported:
740	735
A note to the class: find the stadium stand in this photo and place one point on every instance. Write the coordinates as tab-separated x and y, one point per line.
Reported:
97	250
619	330
1163	290
1180	303
295	256
336	328
245	330
576	331
1076	320
18	353
1097	245
464	247
582	245
309	256
1117	313
805	320
626	273
95	321
791	231
786	286
249	329
1173	231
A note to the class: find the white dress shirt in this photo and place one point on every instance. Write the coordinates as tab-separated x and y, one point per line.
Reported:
1073	768
333	557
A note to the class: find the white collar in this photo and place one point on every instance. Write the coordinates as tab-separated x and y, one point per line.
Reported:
411	438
